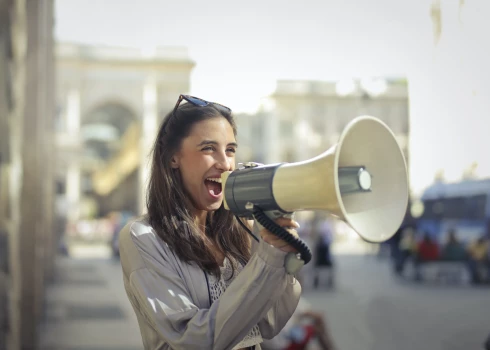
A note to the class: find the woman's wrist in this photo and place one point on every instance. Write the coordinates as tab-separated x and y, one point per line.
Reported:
271	255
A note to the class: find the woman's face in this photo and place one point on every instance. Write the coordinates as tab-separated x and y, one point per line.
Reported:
205	154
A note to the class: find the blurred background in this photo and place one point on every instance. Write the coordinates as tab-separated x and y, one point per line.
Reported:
84	85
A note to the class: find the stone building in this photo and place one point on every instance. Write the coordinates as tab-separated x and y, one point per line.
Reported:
26	167
110	102
305	118
312	114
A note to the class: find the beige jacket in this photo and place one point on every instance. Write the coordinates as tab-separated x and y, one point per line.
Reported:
171	298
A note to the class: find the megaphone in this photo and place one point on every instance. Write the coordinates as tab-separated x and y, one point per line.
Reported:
362	180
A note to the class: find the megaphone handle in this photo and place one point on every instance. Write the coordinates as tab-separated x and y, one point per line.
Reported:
292	261
274	214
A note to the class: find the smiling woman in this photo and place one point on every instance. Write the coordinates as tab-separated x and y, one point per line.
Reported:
193	275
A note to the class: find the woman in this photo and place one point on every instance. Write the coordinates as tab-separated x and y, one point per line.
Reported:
195	278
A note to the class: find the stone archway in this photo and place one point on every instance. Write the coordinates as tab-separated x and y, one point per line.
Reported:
103	127
107	131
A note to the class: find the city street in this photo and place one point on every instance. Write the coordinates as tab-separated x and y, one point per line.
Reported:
369	308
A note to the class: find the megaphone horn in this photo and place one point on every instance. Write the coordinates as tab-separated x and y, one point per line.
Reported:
362	180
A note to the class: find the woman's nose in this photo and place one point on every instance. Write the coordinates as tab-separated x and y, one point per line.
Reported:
224	163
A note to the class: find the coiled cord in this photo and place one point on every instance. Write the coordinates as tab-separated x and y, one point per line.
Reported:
281	233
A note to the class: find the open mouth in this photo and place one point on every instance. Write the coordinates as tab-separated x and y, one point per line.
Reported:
213	185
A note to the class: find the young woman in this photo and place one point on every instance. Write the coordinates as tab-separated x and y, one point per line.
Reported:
194	276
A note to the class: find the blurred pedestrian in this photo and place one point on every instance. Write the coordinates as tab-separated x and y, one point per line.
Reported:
322	253
478	263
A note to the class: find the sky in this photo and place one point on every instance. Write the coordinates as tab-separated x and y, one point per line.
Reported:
242	48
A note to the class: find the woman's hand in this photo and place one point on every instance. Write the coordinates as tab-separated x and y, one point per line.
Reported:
290	226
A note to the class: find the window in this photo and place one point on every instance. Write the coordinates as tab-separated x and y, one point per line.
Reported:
475	207
433	209
462	208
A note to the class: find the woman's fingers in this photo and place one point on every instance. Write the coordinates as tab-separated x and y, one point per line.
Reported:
286	222
290	226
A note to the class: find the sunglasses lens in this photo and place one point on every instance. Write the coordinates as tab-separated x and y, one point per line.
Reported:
221	107
196	101
202	103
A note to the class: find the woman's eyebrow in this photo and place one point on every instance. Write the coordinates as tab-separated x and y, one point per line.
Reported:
211	142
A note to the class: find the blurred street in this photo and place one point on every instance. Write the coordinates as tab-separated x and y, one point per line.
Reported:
369	308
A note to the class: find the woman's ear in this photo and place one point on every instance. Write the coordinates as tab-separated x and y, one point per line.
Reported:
174	162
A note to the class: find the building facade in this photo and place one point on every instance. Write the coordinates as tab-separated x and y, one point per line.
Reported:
110	102
309	116
27	79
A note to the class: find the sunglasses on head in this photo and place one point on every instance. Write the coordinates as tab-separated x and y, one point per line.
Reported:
196	101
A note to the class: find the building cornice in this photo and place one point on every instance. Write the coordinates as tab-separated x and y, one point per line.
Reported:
121	57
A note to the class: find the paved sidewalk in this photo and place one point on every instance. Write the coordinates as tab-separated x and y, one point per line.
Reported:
86	308
369	309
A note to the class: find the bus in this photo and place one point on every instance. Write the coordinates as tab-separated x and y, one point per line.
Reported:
462	206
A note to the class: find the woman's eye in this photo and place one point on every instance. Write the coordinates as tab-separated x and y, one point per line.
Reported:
209	148
232	150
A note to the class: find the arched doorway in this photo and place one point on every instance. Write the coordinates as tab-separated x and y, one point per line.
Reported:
107	132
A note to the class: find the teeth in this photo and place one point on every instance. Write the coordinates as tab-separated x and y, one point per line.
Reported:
215	179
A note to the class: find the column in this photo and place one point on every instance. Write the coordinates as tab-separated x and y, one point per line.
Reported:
73	176
149	130
33	223
302	133
272	142
19	48
5	276
48	151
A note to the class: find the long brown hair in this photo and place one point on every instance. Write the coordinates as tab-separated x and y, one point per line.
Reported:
169	210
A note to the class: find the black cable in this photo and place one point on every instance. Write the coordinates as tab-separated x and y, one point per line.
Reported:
246	228
281	233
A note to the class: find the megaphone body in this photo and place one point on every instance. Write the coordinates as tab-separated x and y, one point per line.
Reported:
362	180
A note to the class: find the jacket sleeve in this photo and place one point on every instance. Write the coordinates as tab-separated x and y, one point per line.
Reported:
162	297
281	311
283	308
